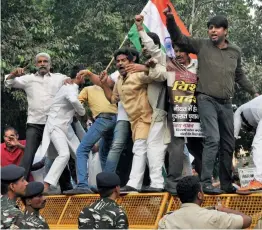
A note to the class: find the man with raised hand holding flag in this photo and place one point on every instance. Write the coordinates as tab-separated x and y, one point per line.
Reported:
153	17
155	21
159	135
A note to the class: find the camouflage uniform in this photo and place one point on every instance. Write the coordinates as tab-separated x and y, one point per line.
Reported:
103	214
11	216
35	221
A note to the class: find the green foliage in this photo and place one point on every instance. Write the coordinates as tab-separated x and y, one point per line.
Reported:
84	31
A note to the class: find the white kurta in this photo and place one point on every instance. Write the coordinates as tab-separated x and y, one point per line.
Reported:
40	92
58	130
252	112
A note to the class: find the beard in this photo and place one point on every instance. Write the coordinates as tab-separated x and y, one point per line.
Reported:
218	41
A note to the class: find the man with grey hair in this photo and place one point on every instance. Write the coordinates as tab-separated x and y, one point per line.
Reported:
40	89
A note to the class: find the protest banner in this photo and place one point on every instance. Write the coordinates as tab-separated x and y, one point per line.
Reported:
185	116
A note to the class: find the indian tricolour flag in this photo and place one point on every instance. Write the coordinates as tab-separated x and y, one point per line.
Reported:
155	21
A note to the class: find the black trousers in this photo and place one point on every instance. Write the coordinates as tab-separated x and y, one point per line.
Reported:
195	147
34	135
176	156
217	122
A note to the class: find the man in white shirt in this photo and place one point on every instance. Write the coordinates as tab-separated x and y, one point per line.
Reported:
58	129
192	216
40	89
249	115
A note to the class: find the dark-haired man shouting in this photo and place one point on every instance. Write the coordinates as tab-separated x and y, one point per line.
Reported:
131	89
219	67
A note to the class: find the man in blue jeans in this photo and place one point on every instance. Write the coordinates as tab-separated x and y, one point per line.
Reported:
104	115
122	132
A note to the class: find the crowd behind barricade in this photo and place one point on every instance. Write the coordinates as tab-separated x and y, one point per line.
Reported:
134	104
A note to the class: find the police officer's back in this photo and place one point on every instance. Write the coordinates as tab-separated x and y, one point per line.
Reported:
192	216
104	213
13	185
34	201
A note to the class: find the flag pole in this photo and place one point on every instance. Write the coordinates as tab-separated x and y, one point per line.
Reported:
112	59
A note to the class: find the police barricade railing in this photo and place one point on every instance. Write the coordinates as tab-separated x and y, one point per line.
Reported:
143	210
249	204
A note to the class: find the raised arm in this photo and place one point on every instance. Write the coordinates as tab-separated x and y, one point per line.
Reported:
16	79
148	43
193	44
111	95
157	73
94	78
150	73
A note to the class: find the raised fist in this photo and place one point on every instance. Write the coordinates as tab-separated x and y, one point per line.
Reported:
18	72
167	11
139	19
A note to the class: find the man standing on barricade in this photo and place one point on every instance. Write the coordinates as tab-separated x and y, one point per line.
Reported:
122	131
58	129
104	115
159	135
219	67
40	89
180	69
131	89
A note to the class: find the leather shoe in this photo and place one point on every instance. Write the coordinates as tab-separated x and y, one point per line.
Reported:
66	188
211	190
231	190
151	189
78	190
128	189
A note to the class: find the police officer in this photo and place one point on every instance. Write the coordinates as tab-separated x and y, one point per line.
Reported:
13	185
34	201
104	213
192	216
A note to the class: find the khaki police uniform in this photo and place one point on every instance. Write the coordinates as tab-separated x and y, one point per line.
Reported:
192	216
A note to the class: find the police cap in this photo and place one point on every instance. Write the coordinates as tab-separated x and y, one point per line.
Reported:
11	173
33	189
107	180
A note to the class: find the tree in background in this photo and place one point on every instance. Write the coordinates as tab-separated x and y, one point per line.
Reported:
85	31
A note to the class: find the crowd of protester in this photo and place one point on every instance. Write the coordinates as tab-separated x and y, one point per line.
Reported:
133	103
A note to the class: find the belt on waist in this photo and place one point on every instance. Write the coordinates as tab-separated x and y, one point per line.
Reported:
250	127
219	100
108	116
